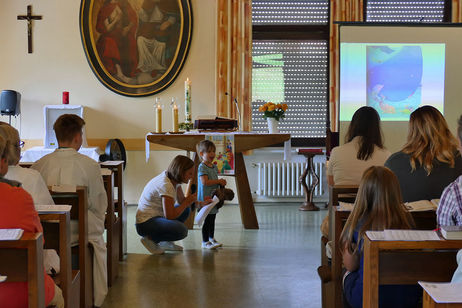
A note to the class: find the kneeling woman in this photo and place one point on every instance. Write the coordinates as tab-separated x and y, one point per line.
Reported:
158	219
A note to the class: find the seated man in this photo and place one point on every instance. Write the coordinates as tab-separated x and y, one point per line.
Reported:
449	212
66	166
18	212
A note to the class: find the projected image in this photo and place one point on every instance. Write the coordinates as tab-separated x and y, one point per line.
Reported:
395	79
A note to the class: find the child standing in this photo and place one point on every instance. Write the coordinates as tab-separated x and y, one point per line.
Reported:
378	206
208	181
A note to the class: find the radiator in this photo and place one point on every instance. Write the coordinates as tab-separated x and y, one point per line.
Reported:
280	179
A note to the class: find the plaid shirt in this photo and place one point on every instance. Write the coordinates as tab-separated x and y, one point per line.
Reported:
449	212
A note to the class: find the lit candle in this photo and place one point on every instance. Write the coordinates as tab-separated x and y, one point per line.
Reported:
158	119
175	116
187	98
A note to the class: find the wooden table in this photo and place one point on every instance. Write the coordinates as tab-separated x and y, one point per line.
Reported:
242	142
406	262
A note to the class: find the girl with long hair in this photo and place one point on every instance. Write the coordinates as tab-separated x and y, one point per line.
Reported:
378	206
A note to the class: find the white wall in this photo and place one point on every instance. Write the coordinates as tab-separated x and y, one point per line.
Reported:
58	64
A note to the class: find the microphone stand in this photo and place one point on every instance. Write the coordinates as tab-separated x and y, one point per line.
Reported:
238	112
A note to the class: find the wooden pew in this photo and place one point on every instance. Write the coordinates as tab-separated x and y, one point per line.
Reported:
346	193
425	220
22	261
79	212
57	236
406	262
116	167
113	229
428	302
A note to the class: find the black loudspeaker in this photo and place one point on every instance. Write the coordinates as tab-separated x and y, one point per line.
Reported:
9	102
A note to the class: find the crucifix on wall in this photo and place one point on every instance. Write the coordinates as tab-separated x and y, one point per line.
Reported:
29	17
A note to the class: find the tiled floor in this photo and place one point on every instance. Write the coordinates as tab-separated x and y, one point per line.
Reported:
274	266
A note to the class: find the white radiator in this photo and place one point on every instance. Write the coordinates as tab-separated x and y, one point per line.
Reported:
281	179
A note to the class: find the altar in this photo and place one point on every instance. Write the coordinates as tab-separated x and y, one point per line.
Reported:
243	141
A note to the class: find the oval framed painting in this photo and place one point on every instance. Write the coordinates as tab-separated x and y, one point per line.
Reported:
136	47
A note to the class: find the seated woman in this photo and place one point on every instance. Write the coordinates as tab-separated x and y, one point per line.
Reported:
30	179
158	220
429	160
18	212
378	206
363	148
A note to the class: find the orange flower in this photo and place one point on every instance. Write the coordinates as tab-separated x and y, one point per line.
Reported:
271	107
285	107
262	108
278	106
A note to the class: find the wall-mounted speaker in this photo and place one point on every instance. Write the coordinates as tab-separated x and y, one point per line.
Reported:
9	102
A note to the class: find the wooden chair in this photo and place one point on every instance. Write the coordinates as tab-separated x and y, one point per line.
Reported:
22	261
120	206
406	262
113	230
57	236
79	212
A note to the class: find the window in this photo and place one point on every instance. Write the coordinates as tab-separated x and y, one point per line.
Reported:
410	11
290	65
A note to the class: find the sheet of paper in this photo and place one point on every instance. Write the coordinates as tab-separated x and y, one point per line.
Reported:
106	171
64	188
443	292
421	205
41	208
344	206
10	234
204	211
411	235
375	235
3	278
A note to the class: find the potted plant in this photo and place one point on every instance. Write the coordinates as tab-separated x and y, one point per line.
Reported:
272	113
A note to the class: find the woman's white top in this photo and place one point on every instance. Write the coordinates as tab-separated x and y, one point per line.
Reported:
150	203
346	168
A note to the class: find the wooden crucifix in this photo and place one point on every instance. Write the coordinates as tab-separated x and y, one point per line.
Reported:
29	17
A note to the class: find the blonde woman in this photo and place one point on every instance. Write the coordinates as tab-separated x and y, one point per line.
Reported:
378	206
429	160
31	180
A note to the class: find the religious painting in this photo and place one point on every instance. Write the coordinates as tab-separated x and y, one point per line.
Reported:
136	47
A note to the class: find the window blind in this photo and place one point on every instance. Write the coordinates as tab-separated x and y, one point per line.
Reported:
427	11
292	72
293	12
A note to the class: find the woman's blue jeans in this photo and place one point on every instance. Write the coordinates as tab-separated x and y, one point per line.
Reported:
162	229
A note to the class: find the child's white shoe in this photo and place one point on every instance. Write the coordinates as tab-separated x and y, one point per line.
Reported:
214	242
208	245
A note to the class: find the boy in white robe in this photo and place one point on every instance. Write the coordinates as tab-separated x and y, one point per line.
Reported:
31	180
66	166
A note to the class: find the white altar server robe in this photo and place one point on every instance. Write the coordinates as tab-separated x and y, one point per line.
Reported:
32	182
67	166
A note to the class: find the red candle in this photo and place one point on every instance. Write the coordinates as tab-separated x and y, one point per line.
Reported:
66	97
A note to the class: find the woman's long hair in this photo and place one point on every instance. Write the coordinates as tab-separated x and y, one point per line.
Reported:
378	206
428	138
365	123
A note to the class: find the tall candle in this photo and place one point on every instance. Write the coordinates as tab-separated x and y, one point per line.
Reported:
158	119
175	117
187	98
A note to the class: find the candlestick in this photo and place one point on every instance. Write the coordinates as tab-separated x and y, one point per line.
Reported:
158	116
187	98
65	97
174	116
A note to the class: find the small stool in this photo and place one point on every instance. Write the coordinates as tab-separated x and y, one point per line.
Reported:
308	205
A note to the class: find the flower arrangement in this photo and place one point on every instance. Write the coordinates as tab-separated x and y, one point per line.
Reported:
272	110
